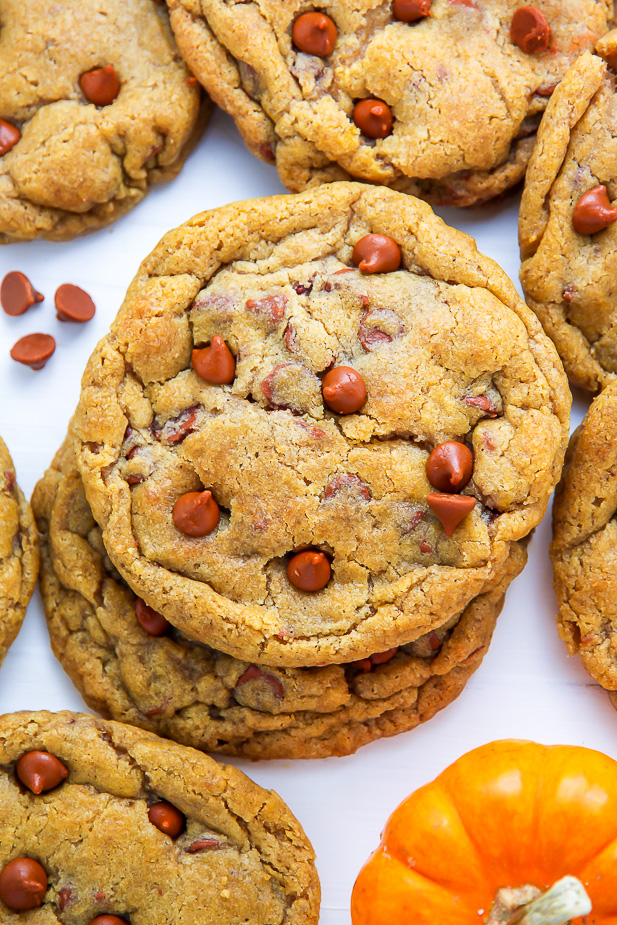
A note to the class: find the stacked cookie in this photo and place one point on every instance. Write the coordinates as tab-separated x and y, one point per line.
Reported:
568	236
300	476
438	98
568	230
584	548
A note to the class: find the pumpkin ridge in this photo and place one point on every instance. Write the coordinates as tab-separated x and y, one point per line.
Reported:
480	859
566	770
436	800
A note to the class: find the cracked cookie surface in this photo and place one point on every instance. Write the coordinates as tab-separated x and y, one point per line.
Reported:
19	553
584	547
201	697
77	166
465	99
567	276
241	856
447	351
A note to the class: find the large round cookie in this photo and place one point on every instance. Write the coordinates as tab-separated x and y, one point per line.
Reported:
68	165
446	350
569	263
240	856
19	553
465	99
206	699
584	548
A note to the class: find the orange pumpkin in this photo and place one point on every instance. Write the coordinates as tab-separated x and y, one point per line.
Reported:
509	814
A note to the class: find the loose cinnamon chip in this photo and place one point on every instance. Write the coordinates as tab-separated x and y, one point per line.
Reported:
73	304
33	350
17	293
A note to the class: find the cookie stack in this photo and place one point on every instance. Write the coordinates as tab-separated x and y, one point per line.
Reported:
300	476
568	236
438	98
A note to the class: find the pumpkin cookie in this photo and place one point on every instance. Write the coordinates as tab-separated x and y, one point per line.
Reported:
568	230
131	665
19	553
438	99
584	548
301	454
104	820
95	106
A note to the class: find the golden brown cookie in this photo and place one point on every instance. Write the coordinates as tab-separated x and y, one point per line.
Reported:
443	106
584	548
102	819
568	230
95	106
19	553
256	518
200	697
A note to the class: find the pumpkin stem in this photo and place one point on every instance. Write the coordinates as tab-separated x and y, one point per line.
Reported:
564	901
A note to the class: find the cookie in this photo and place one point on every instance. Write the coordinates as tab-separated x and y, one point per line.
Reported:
19	553
441	100
584	547
201	697
101	819
253	516
95	106
568	234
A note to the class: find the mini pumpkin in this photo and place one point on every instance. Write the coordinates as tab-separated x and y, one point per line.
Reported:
500	826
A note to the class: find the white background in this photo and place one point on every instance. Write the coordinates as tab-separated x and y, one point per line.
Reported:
526	686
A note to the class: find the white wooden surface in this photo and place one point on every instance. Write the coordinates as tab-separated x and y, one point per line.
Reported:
526	686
